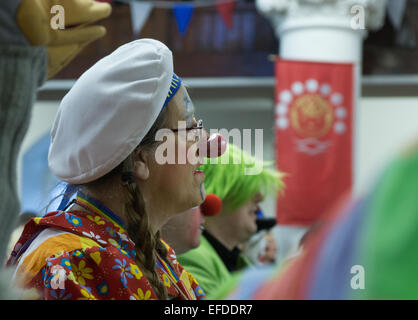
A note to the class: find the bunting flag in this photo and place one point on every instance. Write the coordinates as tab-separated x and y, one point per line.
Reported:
396	12
226	11
140	11
183	14
314	114
139	15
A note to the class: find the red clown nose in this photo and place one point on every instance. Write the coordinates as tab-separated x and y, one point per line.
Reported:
218	143
213	147
211	206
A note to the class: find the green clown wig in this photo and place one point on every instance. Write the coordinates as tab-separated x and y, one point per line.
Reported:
231	177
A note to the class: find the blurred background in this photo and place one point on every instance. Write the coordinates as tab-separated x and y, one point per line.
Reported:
227	61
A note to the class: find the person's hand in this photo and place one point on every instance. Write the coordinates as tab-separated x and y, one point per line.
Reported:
34	19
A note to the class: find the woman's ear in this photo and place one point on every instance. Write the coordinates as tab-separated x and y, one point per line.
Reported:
141	167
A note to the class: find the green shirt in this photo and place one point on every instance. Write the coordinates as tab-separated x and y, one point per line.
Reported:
205	264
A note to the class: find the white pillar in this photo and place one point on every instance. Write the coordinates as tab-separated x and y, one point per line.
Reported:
324	31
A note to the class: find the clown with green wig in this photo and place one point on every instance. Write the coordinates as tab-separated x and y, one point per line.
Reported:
241	188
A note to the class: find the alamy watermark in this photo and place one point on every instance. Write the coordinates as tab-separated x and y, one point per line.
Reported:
58	20
358	20
178	150
358	281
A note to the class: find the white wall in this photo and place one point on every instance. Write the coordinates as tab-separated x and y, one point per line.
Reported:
385	126
43	114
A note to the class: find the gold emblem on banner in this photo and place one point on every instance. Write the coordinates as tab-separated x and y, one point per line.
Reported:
311	116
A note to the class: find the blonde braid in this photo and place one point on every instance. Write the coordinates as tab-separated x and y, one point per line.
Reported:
140	232
147	245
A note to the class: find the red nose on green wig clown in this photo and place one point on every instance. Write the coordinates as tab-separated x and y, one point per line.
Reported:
241	182
229	177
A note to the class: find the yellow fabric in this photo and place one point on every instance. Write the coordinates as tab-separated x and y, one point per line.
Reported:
68	242
34	19
185	277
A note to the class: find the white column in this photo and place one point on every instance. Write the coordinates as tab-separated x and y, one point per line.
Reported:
325	31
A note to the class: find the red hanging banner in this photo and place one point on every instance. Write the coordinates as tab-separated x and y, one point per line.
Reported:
314	131
226	10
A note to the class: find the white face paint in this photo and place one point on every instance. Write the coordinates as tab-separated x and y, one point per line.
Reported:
202	191
190	110
190	119
165	177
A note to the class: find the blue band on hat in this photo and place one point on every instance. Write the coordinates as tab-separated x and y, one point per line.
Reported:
174	87
70	190
259	213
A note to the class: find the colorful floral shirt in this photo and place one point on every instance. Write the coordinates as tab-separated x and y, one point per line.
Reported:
88	256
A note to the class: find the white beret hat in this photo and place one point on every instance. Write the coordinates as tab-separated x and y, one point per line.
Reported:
109	110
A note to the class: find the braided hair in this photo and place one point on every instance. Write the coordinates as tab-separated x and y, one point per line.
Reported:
147	244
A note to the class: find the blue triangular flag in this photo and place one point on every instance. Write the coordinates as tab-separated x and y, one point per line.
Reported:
183	14
396	12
